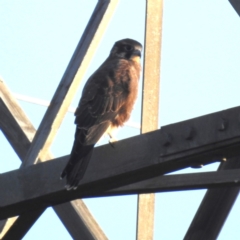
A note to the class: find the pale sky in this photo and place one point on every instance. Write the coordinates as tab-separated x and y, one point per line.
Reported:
199	75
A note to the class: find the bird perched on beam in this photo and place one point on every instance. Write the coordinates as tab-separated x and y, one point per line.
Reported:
106	103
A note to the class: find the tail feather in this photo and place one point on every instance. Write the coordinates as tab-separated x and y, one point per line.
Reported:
85	139
77	165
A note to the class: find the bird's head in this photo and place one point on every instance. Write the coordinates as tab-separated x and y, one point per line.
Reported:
128	49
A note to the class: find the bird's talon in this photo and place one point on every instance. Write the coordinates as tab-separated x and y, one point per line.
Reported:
111	144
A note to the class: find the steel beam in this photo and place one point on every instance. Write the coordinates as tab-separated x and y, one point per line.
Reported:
20	225
176	182
181	182
68	86
148	155
70	81
150	104
236	5
215	207
74	215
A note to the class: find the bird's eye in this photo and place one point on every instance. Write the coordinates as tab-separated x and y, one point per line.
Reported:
128	47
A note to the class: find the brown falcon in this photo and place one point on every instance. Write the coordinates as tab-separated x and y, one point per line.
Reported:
106	103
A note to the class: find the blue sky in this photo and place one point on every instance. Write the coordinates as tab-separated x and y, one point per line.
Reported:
199	74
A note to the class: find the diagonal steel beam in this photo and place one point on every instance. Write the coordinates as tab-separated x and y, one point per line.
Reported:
70	81
21	224
214	209
150	104
236	5
19	131
68	86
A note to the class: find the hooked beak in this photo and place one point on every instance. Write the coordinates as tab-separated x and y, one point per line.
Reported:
136	52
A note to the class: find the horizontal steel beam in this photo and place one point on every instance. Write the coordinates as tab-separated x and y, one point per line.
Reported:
178	182
197	141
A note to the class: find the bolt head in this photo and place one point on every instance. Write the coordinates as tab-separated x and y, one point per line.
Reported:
222	125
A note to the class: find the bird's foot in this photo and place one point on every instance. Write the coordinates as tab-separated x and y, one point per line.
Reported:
112	141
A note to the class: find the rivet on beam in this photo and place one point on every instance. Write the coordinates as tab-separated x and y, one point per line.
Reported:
189	133
167	139
223	124
224	159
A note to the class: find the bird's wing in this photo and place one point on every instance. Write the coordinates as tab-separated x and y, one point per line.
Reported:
102	97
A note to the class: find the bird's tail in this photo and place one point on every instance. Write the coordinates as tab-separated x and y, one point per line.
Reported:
83	145
77	165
